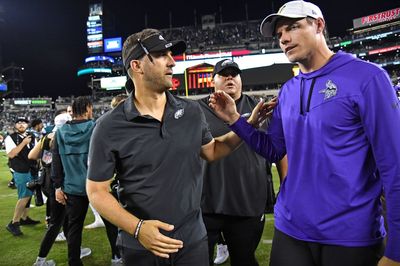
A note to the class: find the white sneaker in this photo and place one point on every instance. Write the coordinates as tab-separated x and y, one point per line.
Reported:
117	262
85	252
222	254
96	224
45	263
61	237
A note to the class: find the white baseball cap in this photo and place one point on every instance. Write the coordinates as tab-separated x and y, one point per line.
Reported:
292	9
60	120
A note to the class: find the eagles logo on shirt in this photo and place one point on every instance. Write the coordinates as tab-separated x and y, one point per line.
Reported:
178	114
330	90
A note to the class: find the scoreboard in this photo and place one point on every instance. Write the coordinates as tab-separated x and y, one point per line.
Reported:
32	102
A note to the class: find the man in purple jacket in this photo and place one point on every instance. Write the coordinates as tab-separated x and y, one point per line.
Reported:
338	121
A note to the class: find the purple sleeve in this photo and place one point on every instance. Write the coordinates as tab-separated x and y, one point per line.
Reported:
380	114
261	142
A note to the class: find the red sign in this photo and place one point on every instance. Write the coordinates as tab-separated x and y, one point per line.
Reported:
175	83
380	17
384	50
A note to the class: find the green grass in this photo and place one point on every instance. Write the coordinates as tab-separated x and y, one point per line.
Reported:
23	250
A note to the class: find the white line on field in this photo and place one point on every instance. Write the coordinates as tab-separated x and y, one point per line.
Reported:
267	241
8	195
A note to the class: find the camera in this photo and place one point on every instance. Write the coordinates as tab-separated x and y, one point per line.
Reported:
35	186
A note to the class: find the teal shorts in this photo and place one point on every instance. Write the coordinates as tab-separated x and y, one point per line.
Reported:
20	180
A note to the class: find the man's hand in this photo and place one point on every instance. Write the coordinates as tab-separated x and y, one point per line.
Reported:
385	261
159	244
60	196
27	140
224	107
261	112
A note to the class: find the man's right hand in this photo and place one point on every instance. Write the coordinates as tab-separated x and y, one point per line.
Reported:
224	107
60	196
27	140
159	244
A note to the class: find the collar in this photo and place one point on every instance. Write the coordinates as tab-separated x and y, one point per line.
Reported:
131	111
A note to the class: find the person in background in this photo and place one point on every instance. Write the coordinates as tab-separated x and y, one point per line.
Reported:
235	195
11	184
42	151
69	170
222	250
335	124
1	141
98	222
57	216
18	145
37	128
69	110
397	88
116	100
111	229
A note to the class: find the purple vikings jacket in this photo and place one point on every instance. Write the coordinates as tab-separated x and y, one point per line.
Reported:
340	127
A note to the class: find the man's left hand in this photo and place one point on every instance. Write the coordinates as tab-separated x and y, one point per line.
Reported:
261	112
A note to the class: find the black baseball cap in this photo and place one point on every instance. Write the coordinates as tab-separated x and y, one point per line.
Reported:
224	64
21	119
154	43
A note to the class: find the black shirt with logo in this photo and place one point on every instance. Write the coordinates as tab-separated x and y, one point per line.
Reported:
158	164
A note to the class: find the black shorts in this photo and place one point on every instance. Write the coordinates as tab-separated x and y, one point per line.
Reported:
289	251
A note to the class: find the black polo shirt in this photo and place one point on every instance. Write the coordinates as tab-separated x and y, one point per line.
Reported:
158	164
236	184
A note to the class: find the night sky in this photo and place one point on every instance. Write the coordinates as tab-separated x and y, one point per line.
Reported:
48	37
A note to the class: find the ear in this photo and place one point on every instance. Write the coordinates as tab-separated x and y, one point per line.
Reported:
320	25
136	66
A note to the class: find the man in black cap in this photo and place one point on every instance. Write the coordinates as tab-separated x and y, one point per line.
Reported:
154	141
235	195
18	145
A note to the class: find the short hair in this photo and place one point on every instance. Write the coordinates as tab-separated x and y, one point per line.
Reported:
36	122
131	43
118	99
60	111
80	105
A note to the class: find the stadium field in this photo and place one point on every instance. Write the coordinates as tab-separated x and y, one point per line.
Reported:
22	251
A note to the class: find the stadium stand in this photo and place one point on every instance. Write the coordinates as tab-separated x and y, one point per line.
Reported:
373	38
